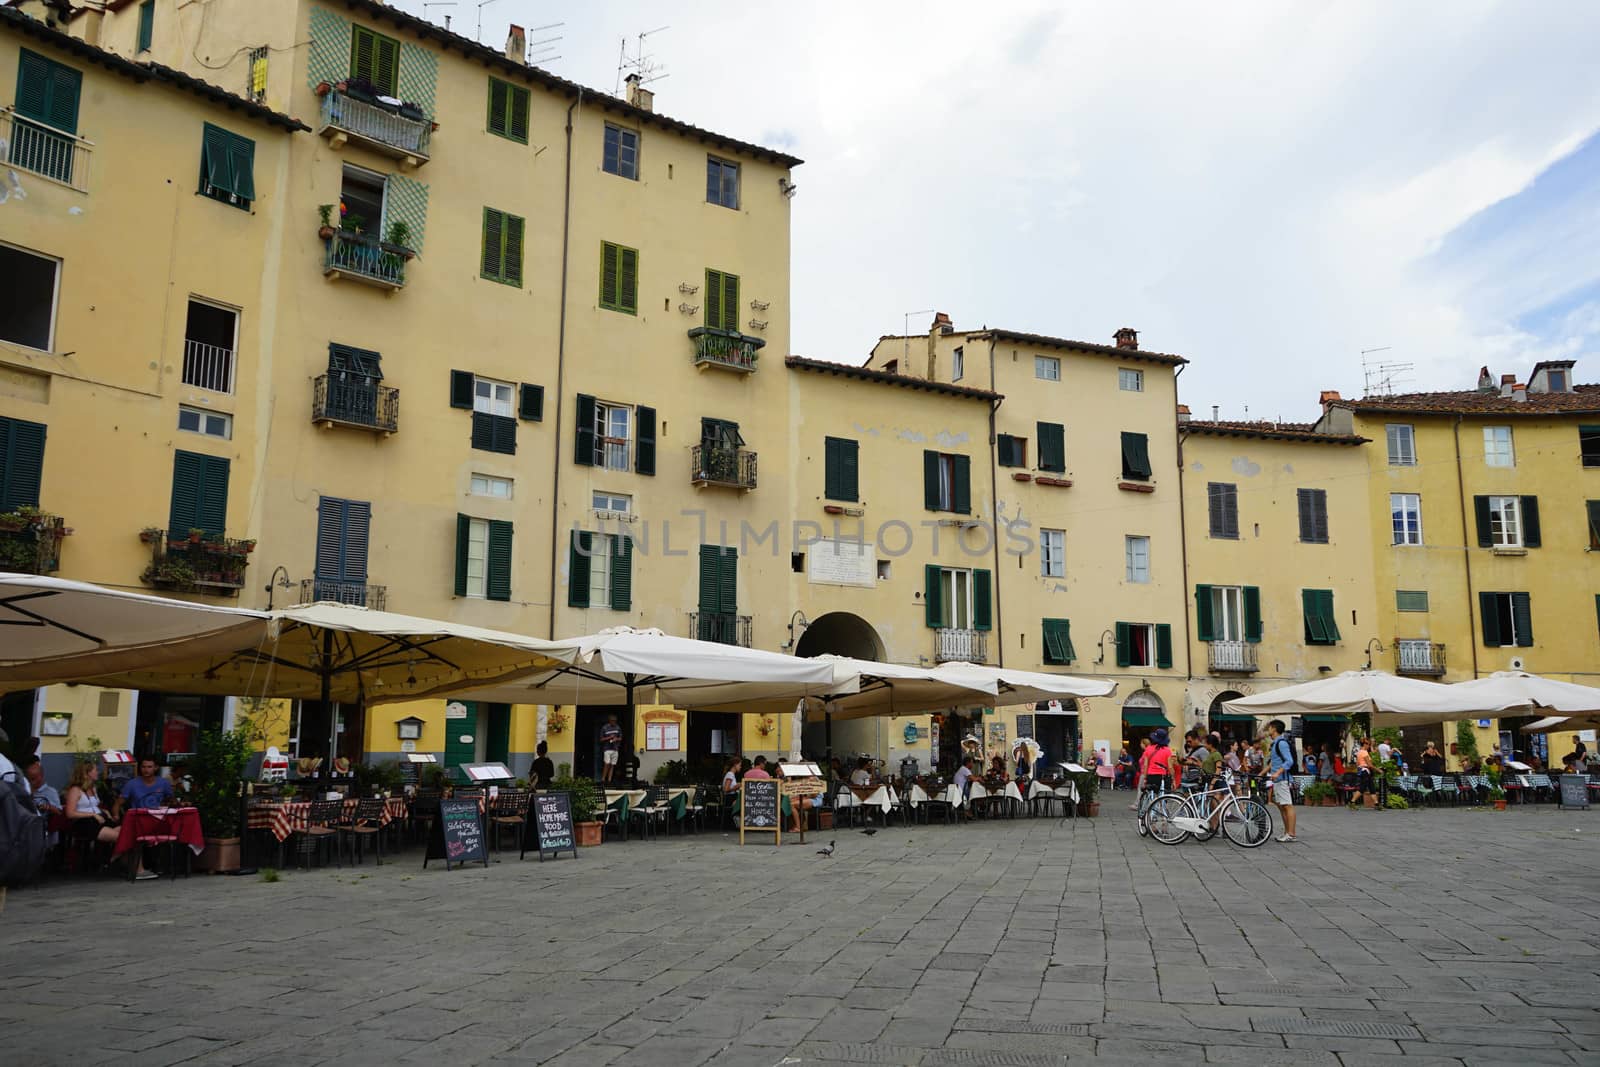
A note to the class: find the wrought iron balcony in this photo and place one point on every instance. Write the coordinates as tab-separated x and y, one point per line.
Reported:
187	561
30	541
720	627
380	127
357	594
1236	656
961	646
48	152
1419	657
365	259
353	400
733	467
729	349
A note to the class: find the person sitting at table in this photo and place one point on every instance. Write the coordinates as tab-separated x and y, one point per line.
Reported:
1124	778
836	769
797	806
1024	768
758	769
997	767
863	773
730	776
45	798
148	790
81	806
963	782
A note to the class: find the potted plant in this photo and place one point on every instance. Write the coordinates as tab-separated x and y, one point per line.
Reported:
399	236
217	769
323	88
359	89
325	220
409	110
1320	794
151	534
585	807
1498	796
1088	793
195	534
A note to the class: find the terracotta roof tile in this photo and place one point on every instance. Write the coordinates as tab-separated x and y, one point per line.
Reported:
1583	400
868	374
1276	431
1045	341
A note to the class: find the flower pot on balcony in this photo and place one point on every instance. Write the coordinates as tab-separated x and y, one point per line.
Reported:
589	833
411	111
323	88
325	232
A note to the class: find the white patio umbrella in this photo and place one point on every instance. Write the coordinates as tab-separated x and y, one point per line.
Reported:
1561	724
1029	687
1409	700
1512	690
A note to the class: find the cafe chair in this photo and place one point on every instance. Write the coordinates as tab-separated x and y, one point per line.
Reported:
694	812
653	810
148	841
509	811
365	822
422	812
845	808
322	827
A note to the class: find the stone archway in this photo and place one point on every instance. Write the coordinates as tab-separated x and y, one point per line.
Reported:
842	634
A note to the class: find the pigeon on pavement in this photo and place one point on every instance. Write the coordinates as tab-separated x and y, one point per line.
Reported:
826	851
869	832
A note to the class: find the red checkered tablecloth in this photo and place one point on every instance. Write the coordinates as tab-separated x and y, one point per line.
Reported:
285	819
182	823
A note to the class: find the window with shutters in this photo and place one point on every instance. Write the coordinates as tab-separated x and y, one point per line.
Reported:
508	110
209	335
1139	644
147	24
1135	457
1222	501
1507	619
1136	553
841	464
619	278
199	494
1047	368
611	424
343	534
1058	650
227	167
1313	505
1405	510
1497	448
621	153
21	463
28	298
1052	447
722	182
490	485
956	599
1411	600
1052	553
363	195
1593	509
722	300
209	423
477	557
600	553
483	558
375	58
717	618
1227	613
45	122
608	562
1130	380
1402	445
494	426
1589	445
1011	451
1321	627
502	247
1226	616
1505	522
947	482
491	397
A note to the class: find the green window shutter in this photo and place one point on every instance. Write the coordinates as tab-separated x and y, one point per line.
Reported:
1597	608
1252	614
1530	522
463	538
363	46
1135	456
621	564
610	256
461	389
1204	627
199	494
508	110
531	403
840	469
850	470
1002	449
930	480
644	454
329	560
1124	633
227	162
982	607
728	580
498	568
33	85
830	468
1480	508
628	281
1058	650
963	486
1522	619
1310	605
583	448
933	608
147	24
1163	645
1593	508
376	58
213	511
493	265
1489	613
512	262
713	299
730	302
520	102
21	463
1052	447
244	166
578	569
710	575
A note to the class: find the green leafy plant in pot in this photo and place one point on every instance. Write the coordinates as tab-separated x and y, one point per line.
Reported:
586	804
1088	785
217	769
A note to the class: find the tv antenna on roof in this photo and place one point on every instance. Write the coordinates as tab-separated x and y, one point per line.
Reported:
481	5
644	66
439	3
1382	377
539	51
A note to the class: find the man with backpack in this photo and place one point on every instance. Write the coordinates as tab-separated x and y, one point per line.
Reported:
1280	768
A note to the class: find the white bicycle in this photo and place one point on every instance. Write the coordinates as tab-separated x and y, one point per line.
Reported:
1173	817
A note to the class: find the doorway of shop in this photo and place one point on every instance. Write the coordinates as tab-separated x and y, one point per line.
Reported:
16	718
586	758
169	724
1056	730
713	741
481	735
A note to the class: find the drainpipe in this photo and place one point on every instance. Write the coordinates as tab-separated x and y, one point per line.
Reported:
561	366
994	500
1183	544
1466	553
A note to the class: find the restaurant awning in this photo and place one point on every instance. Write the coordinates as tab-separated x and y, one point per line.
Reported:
1144	717
1324	717
1231	716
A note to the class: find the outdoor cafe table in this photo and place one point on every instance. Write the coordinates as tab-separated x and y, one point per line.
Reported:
882	797
285	819
182	823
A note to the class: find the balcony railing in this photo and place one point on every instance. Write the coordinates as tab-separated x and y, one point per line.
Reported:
380	127
1419	657
725	348
357	594
734	467
208	366
365	259
50	153
30	541
190	562
961	646
1239	656
351	400
722	628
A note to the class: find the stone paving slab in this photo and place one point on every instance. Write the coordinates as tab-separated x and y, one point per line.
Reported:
1394	940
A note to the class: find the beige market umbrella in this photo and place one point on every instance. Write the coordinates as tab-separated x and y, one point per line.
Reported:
1407	700
1517	690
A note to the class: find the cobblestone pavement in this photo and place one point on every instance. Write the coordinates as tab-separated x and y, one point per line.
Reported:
1439	936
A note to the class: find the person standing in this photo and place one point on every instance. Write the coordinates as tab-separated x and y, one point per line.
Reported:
610	747
1280	767
543	772
1432	760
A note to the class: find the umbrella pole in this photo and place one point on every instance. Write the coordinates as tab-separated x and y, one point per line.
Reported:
327	693
633	717
827	733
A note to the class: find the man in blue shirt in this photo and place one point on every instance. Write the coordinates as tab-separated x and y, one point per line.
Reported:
610	747
149	790
1280	768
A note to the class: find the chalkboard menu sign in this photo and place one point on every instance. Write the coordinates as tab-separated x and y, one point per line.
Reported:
550	824
758	808
1024	725
1574	790
457	836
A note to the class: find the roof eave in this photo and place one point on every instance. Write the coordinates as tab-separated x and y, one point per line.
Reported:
868	374
1067	343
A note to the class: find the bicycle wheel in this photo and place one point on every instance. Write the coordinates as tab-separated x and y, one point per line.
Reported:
1162	811
1144	813
1247	823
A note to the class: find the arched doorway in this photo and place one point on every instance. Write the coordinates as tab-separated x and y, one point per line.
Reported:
1232	725
842	634
1142	712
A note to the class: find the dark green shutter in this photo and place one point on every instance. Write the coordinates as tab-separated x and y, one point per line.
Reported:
1163	645
1530	522
499	94
1593	507
1135	456
1480	509
714	299
628	280
1204	626
710	573
645	454
147	24
1052	447
461	389
1058	650
830	468
932	605
199	494
1252	614
728	580
21	463
494	433
513	257
609	256
583	454
1124	644
962	504
493	243
376	58
343	536
1522	619
1309	606
497	569
1003	445
520	100
497	736
463	539
1597	608
621	564
930	480
227	162
48	91
531	407
508	110
1488	611
849	470
1329	621
982	609
578	562
730	302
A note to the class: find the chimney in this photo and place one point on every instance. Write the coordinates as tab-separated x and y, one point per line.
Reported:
1506	382
1519	393
1183	413
517	44
1216	412
638	95
1329	396
941	323
1485	381
1127	338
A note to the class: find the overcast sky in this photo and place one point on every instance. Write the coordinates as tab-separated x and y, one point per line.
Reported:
1266	189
